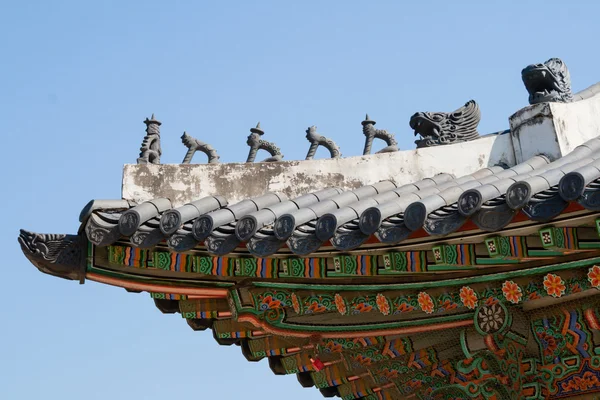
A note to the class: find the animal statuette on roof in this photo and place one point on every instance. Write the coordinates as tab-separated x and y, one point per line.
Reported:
371	133
551	82
548	82
256	143
317	140
195	145
439	128
150	151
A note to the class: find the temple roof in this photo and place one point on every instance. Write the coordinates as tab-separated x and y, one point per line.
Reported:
465	268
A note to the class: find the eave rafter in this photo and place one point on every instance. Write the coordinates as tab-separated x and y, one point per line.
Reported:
244	308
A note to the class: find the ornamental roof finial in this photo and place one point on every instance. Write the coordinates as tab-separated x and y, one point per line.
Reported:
152	120
257	130
368	121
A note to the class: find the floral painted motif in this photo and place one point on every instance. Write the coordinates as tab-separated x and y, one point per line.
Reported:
295	303
362	360
403	307
554	285
584	383
548	343
390	373
315	307
490	301
340	304
512	292
333	347
500	294
594	276
425	302
490	318
269	303
383	304
534	296
468	297
447	305
363	307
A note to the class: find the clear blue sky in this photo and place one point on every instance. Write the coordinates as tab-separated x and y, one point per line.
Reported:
78	78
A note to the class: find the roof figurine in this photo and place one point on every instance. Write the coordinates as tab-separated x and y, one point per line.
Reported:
195	145
467	271
256	143
371	133
551	82
438	128
150	151
317	140
548	82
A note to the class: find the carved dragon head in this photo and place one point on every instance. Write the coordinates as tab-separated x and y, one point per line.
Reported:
57	255
548	82
311	133
253	140
438	128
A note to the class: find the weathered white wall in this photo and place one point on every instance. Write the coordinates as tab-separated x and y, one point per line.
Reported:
236	181
554	129
532	132
576	123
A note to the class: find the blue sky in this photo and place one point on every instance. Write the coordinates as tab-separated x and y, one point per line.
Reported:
78	78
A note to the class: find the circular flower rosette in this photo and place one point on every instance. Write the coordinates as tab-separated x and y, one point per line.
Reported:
594	276
512	292
554	285
468	297
492	318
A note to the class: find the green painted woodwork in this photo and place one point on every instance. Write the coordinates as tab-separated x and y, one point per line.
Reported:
589	245
562	342
496	261
501	251
351	265
168	296
303	268
562	238
407	261
527	272
155	280
506	247
456	254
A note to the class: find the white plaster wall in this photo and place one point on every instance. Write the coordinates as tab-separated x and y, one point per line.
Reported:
532	132
183	183
576	123
554	129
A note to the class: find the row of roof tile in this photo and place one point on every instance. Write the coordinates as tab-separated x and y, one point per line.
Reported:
490	197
